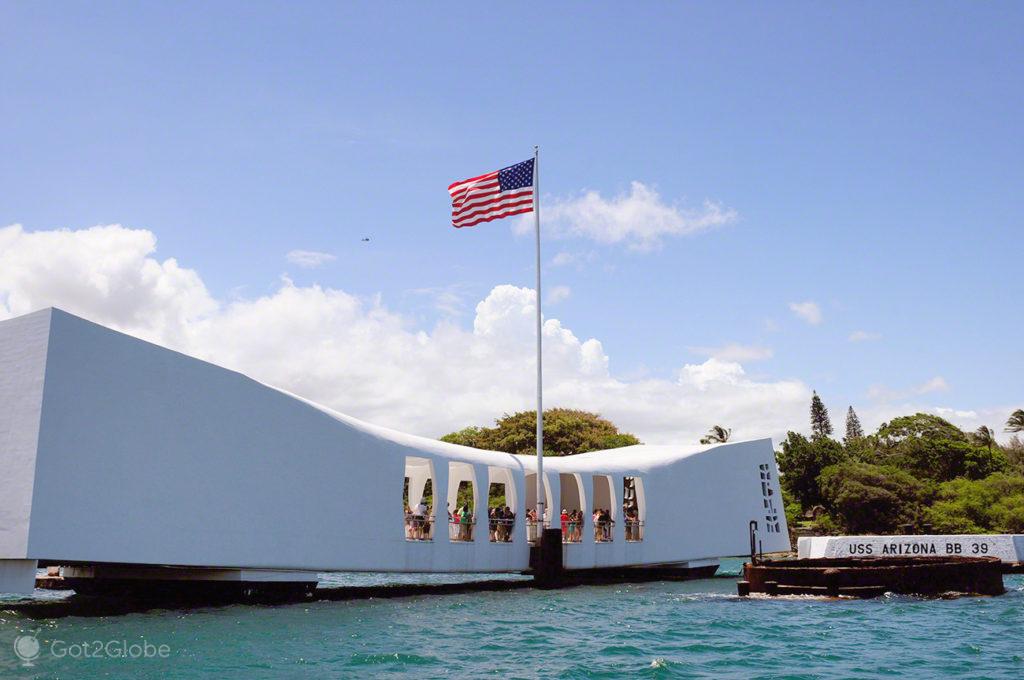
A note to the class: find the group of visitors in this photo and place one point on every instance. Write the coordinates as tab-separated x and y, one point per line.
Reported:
572	526
461	524
418	523
603	525
499	524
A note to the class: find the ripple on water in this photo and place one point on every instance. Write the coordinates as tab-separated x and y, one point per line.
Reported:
395	658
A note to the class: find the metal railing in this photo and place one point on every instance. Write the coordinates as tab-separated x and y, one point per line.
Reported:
634	530
461	531
500	530
533	530
419	527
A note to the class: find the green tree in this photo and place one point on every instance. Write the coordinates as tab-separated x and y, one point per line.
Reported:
566	432
467	436
801	462
867	498
919	426
716	435
984	436
1009	515
821	426
854	431
1014	451
1015	423
930	447
995	503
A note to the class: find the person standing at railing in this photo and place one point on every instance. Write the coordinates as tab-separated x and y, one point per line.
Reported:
418	518
465	525
510	521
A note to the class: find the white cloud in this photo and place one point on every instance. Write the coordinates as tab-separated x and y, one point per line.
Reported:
936	384
640	218
864	336
884	393
446	299
309	259
359	357
558	294
735	352
955	413
808	311
101	268
565	259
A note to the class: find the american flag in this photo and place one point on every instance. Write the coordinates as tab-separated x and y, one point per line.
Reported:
497	194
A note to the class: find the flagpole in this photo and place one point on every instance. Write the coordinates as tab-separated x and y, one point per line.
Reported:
540	375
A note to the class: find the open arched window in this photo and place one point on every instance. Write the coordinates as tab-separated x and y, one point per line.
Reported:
462	502
418	499
634	508
603	514
501	505
574	505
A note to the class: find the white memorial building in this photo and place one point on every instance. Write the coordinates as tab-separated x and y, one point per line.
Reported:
123	459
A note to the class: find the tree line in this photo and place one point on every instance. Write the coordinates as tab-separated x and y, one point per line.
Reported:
914	470
566	432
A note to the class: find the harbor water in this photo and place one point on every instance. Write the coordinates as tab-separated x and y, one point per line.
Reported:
654	630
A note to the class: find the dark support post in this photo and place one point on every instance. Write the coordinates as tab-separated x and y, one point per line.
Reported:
753	541
547	569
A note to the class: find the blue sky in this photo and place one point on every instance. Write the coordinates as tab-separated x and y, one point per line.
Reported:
871	153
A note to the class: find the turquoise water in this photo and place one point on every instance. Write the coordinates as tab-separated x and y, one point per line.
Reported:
651	630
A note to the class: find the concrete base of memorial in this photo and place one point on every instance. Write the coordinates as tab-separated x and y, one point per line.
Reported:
874	576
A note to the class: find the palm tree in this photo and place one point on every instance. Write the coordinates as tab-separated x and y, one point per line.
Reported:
716	435
1015	423
985	436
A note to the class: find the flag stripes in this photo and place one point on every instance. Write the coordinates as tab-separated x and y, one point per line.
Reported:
493	195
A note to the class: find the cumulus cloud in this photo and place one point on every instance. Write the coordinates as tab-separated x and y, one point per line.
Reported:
808	311
103	268
309	259
864	336
357	356
735	352
558	294
639	218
